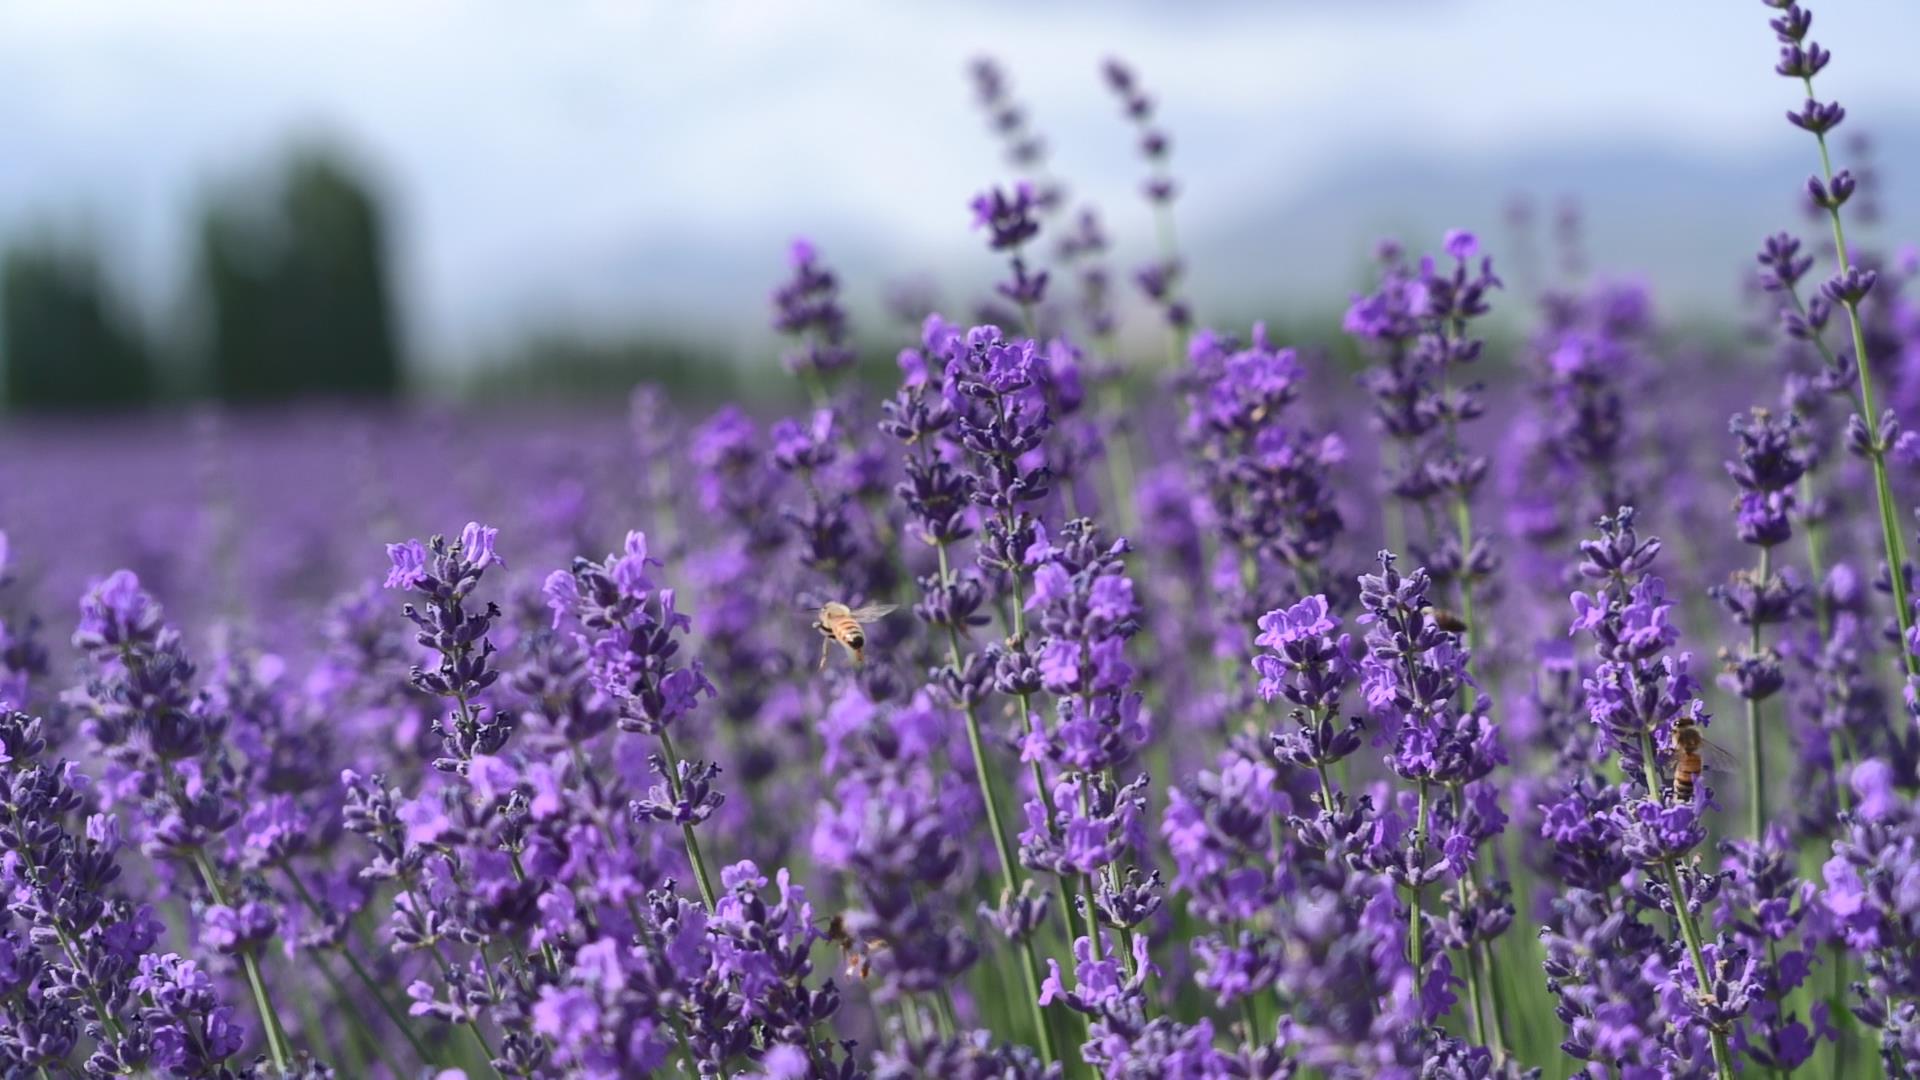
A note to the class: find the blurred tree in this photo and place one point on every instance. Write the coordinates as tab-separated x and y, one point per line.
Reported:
65	341
296	288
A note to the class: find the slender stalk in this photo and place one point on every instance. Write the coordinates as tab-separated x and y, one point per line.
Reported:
68	946
358	1022
1251	1019
1890	536
1016	620
1126	933
1816	560
1843	1043
1722	1061
373	988
1415	927
1009	867
693	842
1481	969
446	972
1756	745
1119	454
269	1019
1651	767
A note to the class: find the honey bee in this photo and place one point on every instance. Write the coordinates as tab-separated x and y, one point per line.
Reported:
1691	750
859	954
838	622
1447	620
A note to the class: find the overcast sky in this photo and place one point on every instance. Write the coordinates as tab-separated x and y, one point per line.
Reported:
559	157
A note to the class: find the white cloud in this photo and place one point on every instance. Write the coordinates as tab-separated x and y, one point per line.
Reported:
529	144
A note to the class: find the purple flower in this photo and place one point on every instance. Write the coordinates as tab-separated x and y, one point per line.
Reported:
409	560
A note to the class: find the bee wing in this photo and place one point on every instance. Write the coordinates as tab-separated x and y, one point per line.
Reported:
1715	754
870	612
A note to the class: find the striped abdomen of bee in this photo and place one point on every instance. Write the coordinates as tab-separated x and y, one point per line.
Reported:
1687	761
838	622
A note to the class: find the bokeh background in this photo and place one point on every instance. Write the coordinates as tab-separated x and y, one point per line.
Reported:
260	201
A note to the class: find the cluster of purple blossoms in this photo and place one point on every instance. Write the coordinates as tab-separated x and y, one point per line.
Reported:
1590	352
81	956
807	309
1161	279
1011	220
1869	897
1025	150
1084	610
23	658
1418	322
1153	781
1641	836
1269	479
1442	739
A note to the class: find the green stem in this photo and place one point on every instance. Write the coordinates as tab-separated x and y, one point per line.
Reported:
344	1001
446	972
1876	454
1009	867
269	1019
1816	561
392	1011
1119	447
1415	926
1126	933
1722	1061
1480	959
1251	1019
1650	767
1756	745
686	830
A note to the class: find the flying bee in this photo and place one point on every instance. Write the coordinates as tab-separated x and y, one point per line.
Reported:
1447	620
859	954
1691	751
838	622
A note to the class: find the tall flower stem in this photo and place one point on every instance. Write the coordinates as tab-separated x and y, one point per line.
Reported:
1009	867
686	829
1689	931
1756	745
361	1032
446	970
373	988
1891	540
1480	959
1722	1060
269	1019
1119	455
1017	625
1113	882
1415	927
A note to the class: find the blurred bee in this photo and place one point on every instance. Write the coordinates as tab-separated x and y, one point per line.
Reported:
838	622
859	954
1447	620
1691	751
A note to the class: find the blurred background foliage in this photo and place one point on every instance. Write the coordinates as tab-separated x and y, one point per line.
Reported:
66	339
295	293
290	296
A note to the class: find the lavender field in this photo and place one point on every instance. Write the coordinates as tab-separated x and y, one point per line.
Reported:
1510	682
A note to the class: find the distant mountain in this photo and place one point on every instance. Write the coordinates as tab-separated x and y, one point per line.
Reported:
1688	223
